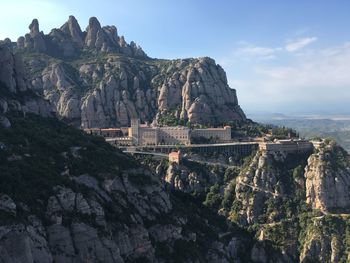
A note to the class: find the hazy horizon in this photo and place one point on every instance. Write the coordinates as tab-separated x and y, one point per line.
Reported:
286	57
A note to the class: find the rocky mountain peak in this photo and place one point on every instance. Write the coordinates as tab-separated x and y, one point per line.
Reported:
70	41
34	40
72	28
34	28
94	24
92	30
125	83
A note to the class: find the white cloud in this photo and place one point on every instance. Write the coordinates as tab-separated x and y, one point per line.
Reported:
324	67
317	80
300	43
251	51
259	51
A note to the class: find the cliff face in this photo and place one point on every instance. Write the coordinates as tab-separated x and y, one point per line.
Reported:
95	79
328	179
291	200
326	239
68	40
56	205
16	93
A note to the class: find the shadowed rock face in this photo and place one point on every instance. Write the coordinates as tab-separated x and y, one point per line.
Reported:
102	81
78	199
72	28
16	93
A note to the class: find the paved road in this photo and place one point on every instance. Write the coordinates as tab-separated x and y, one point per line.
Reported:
147	153
198	145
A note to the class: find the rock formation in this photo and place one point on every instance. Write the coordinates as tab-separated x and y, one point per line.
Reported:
95	79
182	178
69	40
15	91
328	179
259	182
57	205
72	28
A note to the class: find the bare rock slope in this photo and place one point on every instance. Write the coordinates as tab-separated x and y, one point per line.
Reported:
56	205
16	94
95	79
328	179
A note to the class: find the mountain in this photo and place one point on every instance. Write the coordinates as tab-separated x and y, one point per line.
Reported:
16	94
93	78
300	202
66	196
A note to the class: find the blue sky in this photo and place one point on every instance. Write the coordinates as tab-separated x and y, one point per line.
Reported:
281	56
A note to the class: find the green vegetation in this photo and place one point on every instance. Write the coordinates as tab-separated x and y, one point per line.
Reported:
37	151
167	118
254	129
336	157
214	198
327	228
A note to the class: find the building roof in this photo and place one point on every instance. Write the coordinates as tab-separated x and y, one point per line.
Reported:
174	154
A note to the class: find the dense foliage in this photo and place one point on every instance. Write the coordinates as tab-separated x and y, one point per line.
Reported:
35	151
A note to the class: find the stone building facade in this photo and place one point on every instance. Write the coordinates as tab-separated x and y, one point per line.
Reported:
144	134
288	146
217	134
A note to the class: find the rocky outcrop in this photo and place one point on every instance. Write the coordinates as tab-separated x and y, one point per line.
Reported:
258	182
115	210
15	91
197	87
183	178
70	41
12	71
92	85
7	204
111	92
35	39
328	179
323	242
72	28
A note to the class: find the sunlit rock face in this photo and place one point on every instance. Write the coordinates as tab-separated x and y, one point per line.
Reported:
94	78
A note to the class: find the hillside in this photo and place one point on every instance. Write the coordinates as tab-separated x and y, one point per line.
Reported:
66	196
298	202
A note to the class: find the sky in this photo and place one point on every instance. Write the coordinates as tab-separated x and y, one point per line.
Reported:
290	56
